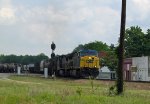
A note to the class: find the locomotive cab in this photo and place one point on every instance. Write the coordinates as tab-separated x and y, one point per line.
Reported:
89	59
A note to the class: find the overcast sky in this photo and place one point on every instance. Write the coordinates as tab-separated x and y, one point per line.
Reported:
30	26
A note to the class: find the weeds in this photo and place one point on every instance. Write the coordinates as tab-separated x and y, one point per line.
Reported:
79	91
64	92
112	90
91	83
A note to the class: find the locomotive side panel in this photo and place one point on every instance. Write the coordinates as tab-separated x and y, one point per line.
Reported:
76	61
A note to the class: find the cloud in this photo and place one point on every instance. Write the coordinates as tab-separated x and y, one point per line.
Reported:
72	23
138	13
142	5
138	10
7	13
36	24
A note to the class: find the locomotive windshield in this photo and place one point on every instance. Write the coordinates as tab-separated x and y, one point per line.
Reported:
88	53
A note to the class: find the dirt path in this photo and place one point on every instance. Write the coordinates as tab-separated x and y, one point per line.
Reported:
23	82
5	75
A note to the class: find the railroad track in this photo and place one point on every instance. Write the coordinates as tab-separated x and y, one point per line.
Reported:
73	78
124	80
5	75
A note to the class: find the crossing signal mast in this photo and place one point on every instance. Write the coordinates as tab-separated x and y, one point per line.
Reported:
53	46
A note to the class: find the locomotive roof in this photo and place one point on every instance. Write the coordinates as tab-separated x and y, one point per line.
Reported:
84	51
88	50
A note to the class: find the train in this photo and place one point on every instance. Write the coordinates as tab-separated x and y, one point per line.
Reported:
84	63
8	68
12	68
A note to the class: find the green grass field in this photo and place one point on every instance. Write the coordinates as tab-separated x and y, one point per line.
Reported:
37	90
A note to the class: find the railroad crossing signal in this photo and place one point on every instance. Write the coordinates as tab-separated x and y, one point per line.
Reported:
53	46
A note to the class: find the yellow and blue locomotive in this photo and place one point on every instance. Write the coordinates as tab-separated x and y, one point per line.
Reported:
77	64
89	62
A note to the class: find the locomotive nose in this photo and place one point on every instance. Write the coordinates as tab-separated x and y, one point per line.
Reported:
90	60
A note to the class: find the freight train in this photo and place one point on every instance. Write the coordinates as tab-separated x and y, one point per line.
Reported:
12	68
77	64
8	68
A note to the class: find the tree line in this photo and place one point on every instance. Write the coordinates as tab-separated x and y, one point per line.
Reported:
26	59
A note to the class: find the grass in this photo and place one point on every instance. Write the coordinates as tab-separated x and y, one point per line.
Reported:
37	90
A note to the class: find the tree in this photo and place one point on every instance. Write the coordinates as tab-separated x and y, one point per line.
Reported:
27	59
134	42
137	43
146	44
78	48
111	59
97	45
121	50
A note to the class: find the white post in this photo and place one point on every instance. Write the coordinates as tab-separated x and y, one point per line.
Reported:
19	70
46	72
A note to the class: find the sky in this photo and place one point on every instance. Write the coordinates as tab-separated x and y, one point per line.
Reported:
30	26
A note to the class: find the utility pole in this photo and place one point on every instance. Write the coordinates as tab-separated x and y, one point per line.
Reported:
121	50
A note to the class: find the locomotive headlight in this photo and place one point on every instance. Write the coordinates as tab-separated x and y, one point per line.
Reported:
90	58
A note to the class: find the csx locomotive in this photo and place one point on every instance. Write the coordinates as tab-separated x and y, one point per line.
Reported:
77	64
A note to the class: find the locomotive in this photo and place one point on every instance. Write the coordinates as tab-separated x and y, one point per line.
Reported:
77	64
